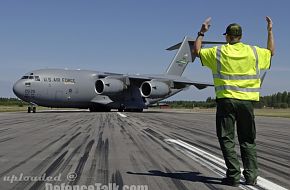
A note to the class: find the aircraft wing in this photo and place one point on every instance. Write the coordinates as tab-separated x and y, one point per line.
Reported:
155	86
168	78
171	80
198	85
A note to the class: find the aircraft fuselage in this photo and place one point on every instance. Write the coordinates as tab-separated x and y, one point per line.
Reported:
62	88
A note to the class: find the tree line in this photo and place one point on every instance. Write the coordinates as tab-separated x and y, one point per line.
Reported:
12	102
278	100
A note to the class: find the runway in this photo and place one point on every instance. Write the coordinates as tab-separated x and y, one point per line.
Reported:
151	150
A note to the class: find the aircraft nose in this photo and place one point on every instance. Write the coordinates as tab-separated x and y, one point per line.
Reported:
17	89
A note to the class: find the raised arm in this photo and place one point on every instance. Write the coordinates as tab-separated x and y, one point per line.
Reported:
270	43
197	44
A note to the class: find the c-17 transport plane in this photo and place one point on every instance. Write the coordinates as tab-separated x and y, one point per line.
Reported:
103	91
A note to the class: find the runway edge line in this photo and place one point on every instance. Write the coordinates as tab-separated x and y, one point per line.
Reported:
217	165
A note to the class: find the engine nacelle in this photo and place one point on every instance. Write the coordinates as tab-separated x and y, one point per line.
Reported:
109	86
154	89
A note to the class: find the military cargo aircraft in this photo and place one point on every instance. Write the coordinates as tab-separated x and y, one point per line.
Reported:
103	91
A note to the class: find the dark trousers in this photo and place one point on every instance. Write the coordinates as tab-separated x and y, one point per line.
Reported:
229	112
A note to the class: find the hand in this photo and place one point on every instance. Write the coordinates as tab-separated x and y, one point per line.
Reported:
270	23
205	25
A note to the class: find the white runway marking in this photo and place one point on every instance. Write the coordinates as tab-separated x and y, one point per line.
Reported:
217	164
122	115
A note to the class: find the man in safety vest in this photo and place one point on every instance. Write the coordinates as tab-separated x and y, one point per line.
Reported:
236	74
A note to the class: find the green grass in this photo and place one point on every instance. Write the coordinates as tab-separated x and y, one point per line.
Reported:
16	108
12	108
24	108
268	112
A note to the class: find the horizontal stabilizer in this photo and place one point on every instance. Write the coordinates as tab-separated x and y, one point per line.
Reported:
191	42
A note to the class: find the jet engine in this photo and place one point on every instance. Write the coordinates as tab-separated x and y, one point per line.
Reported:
109	86
154	89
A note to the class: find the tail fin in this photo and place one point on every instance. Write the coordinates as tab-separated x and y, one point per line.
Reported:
183	56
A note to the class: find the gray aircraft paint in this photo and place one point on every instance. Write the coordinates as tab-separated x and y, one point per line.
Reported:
76	88
182	58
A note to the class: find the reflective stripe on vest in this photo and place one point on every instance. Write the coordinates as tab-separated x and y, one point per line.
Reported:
229	87
235	77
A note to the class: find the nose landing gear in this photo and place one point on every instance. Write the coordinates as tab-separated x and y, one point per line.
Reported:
31	109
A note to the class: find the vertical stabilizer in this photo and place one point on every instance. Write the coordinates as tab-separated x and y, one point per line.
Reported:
182	58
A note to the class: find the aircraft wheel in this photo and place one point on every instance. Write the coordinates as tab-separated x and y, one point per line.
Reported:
134	110
29	110
34	109
122	108
107	109
92	109
137	110
99	109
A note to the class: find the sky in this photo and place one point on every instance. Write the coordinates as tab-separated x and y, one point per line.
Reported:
130	36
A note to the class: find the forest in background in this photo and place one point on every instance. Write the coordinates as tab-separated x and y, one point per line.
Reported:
277	100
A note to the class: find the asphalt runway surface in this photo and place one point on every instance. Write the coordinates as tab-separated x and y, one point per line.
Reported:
151	150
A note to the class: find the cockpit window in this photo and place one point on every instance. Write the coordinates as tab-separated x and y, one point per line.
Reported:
37	78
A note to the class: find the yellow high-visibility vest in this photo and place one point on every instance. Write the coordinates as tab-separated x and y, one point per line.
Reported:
236	69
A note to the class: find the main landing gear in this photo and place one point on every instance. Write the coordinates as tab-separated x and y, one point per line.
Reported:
124	109
99	109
